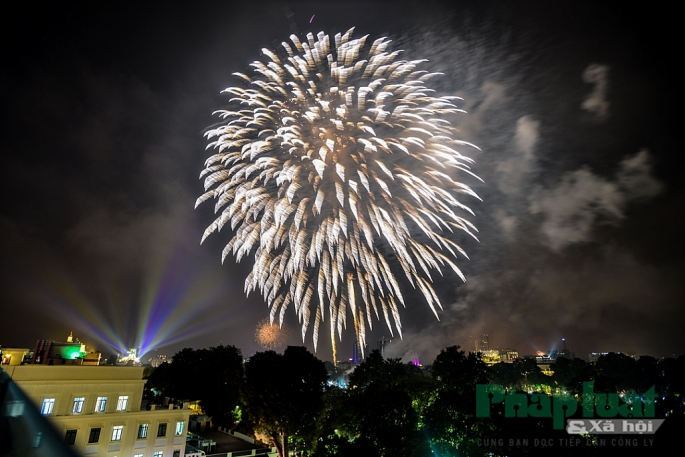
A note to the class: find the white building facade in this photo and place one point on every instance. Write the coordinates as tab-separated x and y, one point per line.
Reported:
97	410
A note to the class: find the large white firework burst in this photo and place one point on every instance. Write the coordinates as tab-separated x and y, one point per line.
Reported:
336	166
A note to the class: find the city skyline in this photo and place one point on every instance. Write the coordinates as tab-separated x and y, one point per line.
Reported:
575	113
383	345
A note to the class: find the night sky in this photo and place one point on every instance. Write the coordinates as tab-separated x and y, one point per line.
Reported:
575	105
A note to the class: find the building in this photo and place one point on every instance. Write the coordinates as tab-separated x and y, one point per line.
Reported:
130	358
382	344
555	354
415	359
594	356
346	365
356	353
544	362
561	353
70	352
23	430
157	360
13	356
508	355
490	357
481	344
97	410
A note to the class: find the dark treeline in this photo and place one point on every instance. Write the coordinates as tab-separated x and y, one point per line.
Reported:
389	408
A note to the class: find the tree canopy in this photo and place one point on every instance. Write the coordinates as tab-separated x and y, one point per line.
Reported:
284	395
394	408
214	376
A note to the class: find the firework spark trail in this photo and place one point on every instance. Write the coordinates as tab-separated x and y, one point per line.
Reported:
334	149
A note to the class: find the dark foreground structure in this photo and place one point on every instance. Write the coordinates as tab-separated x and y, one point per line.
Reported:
23	431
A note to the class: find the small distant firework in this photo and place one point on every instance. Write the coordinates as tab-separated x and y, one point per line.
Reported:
270	336
337	167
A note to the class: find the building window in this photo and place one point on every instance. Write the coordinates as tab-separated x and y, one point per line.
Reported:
121	404
158	454
48	405
142	431
100	404
161	430
138	455
117	430
177	453
94	436
70	437
78	405
179	428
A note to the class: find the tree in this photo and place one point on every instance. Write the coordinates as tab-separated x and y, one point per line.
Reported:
284	396
450	421
671	376
382	395
648	374
506	374
619	371
333	425
568	374
213	376
160	381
